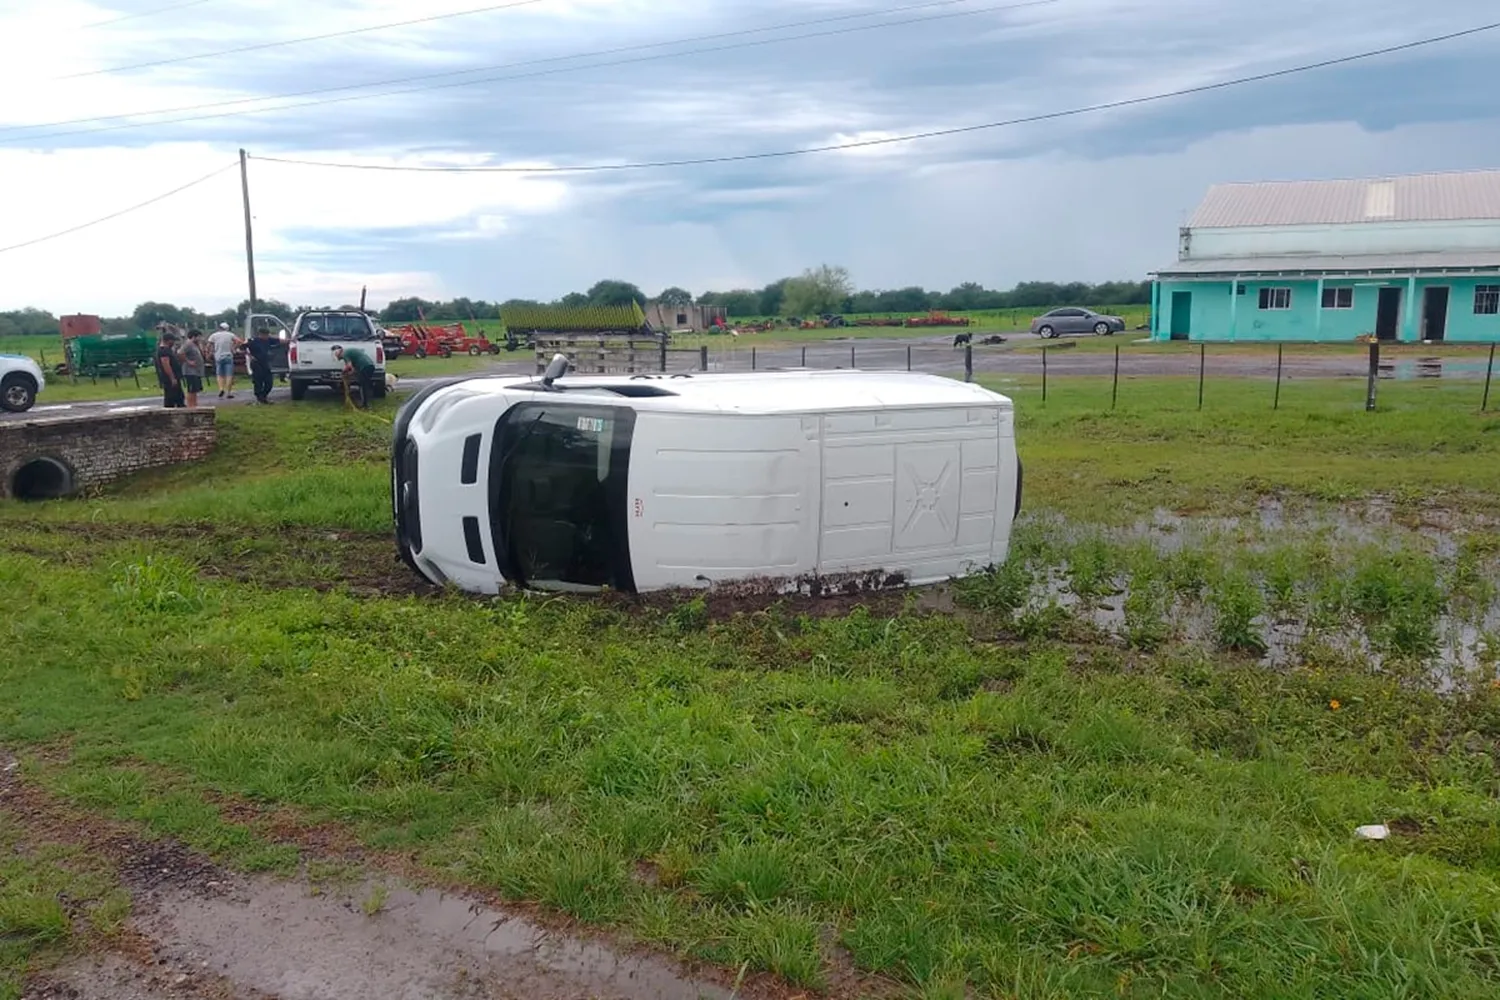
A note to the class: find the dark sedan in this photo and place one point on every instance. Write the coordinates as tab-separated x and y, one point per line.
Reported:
1061	321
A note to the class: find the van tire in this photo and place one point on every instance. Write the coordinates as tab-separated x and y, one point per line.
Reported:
299	390
17	392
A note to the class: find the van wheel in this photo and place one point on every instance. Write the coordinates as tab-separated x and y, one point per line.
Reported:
299	390
17	393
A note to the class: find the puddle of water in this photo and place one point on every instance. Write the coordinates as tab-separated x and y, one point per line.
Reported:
1466	641
275	938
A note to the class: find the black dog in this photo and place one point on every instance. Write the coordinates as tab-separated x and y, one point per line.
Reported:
962	338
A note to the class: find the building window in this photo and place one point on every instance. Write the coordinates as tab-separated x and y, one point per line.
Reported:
682	319
1276	298
1338	298
1487	300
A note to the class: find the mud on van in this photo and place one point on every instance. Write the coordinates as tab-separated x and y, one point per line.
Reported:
651	482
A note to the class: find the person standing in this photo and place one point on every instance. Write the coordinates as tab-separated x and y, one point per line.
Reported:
169	370
359	366
222	345
260	351
192	367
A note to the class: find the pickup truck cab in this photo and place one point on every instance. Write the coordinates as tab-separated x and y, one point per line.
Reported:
20	381
315	334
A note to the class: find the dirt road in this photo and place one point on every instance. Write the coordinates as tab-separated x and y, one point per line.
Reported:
200	932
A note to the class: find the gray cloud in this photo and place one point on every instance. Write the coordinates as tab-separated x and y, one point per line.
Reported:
1095	196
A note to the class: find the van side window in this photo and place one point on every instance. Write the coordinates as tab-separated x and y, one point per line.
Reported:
558	480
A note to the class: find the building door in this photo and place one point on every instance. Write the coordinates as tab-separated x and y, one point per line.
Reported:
1182	315
1388	314
1435	314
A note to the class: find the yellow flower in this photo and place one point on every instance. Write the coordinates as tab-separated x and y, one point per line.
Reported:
1334	705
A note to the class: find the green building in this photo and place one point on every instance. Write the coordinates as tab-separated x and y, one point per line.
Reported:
1411	259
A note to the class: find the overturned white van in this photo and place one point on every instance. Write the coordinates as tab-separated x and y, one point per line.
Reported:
802	480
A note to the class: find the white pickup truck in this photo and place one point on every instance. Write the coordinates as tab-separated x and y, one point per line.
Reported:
20	380
315	334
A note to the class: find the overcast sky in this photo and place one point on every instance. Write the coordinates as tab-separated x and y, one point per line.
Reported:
1092	197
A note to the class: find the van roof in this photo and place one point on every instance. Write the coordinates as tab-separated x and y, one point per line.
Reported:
780	391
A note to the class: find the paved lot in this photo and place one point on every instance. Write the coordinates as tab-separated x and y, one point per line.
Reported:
931	354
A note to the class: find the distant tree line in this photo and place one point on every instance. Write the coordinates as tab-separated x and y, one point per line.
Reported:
826	289
823	289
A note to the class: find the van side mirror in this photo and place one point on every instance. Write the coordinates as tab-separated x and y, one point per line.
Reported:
556	369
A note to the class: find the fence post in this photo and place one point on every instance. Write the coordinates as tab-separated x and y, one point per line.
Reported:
1202	367
851	357
1488	375
664	352
1114	396
1276	405
1044	375
804	355
752	359
908	357
1374	374
703	357
968	362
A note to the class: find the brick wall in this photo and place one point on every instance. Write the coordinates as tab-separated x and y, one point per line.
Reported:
96	449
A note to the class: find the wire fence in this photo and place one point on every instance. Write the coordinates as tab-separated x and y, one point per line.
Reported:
1129	372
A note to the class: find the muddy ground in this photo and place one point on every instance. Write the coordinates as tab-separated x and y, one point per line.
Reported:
201	932
367	565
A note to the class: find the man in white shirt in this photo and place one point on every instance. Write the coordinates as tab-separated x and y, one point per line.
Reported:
223	343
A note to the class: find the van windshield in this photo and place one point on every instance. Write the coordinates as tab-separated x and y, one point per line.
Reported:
558	479
334	326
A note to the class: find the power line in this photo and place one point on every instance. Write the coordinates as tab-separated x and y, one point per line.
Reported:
146	13
914	136
123	211
537	73
479	69
261	46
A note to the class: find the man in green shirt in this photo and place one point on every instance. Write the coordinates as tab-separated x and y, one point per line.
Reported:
358	365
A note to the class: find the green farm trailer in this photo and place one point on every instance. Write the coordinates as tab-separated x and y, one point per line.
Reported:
91	353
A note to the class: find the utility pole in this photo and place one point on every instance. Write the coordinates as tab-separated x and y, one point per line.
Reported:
249	240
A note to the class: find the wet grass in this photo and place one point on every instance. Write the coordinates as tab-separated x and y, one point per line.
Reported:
1083	781
51	897
949	799
1427	444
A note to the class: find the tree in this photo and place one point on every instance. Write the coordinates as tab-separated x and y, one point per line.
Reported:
675	297
772	298
574	300
27	323
818	290
148	314
409	310
740	302
616	293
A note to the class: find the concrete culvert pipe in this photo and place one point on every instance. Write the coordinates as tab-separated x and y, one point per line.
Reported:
42	479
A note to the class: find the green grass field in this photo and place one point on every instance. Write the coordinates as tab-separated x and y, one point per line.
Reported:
1025	795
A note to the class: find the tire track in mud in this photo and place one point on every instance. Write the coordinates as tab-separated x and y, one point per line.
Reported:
199	931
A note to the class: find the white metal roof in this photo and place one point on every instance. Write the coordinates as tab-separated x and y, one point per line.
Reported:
1415	198
1437	262
780	392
